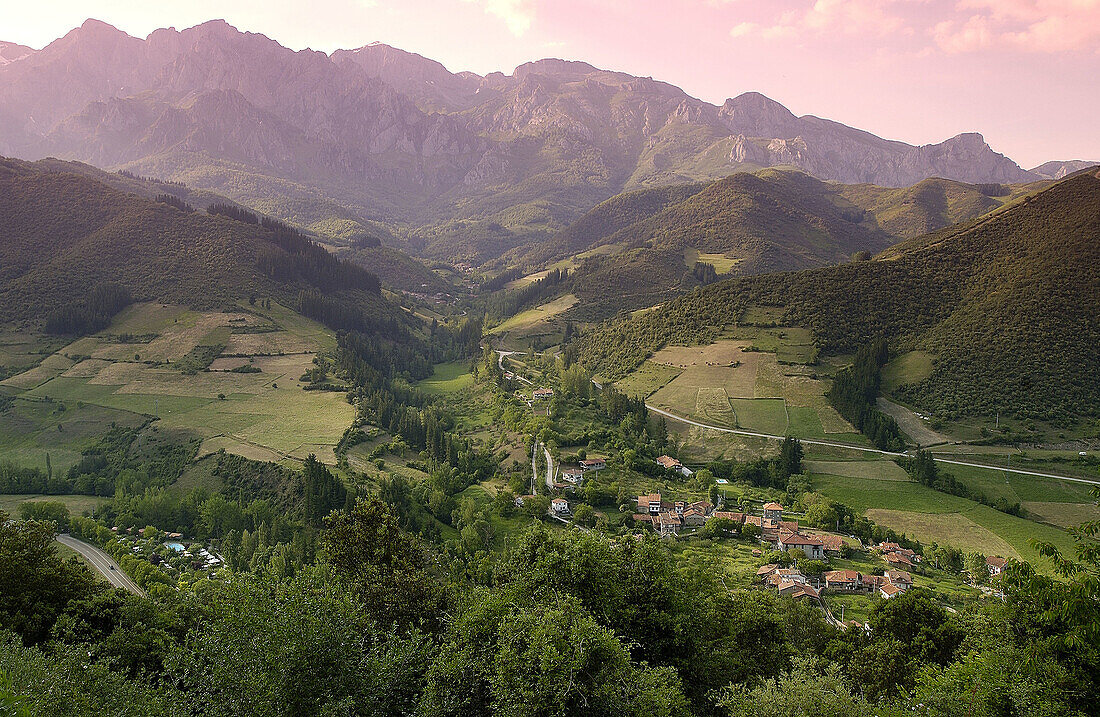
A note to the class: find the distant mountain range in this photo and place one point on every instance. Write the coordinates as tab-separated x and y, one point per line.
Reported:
455	166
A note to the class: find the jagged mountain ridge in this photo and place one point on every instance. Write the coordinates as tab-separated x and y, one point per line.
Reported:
1058	169
394	137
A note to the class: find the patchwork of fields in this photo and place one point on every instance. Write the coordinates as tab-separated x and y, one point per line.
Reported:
876	488
131	373
741	383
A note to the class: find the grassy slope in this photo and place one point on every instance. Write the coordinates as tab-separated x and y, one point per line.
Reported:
1010	306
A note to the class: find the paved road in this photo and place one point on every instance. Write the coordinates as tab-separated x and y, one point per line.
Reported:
102	562
835	444
551	474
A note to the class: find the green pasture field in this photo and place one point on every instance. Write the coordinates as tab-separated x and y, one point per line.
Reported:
873	469
263	415
766	415
30	429
77	504
931	516
648	378
526	320
763	315
912	367
1016	487
1065	515
448	378
790	344
722	264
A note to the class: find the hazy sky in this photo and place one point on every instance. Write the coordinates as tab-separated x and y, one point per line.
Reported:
1025	73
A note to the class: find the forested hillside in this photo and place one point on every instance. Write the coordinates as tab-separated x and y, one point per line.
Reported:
66	234
767	221
1010	306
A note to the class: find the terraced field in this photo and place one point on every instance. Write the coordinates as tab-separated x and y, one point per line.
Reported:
763	394
130	373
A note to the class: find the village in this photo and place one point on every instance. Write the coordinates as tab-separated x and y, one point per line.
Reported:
810	565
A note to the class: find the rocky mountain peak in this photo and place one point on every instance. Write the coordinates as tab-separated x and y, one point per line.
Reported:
756	115
556	68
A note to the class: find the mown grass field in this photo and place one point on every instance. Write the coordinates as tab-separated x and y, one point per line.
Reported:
77	504
755	383
448	378
130	367
931	516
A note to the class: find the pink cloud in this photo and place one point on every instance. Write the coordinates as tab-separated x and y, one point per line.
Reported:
847	17
974	34
1029	25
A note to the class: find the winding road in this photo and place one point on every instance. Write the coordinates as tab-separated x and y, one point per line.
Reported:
102	562
892	454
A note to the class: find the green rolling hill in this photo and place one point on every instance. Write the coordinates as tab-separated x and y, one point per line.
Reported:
752	223
67	233
1008	305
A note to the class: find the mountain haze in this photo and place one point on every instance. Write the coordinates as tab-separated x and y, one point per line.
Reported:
65	233
389	138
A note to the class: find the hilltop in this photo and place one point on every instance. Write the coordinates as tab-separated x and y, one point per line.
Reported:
767	221
66	234
1008	305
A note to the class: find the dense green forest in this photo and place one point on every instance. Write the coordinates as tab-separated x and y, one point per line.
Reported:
1009	305
562	624
767	221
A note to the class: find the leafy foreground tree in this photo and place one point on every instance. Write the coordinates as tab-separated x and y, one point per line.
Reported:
301	647
808	688
563	624
509	657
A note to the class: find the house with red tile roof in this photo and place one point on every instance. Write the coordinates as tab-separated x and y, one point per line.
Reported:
996	564
667	523
898	560
773	511
831	543
810	546
900	578
798	591
844	580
